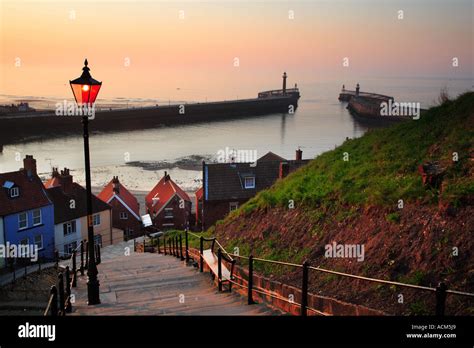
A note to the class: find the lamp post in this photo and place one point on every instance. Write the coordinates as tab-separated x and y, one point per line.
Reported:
85	90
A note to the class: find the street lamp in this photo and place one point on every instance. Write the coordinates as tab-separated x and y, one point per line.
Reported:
85	90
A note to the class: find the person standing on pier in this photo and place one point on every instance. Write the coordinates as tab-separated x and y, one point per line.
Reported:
357	89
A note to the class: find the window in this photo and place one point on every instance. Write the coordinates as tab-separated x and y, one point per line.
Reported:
123	215
39	241
233	206
128	232
14	192
249	182
69	227
168	213
22	220
96	219
36	217
69	248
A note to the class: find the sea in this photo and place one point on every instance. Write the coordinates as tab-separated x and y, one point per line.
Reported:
140	158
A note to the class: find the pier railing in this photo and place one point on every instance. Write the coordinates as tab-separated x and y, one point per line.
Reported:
174	246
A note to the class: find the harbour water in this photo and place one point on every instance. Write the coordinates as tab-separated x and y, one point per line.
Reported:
139	158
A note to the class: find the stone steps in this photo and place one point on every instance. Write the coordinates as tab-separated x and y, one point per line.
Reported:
154	284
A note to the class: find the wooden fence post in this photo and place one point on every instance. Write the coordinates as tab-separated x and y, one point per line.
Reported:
158	244
250	281
201	249
164	244
441	299
304	289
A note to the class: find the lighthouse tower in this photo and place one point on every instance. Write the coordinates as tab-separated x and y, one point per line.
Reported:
284	82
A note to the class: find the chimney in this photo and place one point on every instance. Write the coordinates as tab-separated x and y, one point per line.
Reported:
284	170
167	177
65	180
29	164
299	154
55	173
116	184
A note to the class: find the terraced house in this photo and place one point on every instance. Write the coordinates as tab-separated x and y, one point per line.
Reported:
26	212
70	214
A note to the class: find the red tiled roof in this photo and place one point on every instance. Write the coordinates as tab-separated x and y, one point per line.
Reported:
52	182
199	194
32	193
163	192
125	196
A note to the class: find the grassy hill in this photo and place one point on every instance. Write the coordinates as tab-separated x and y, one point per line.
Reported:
369	191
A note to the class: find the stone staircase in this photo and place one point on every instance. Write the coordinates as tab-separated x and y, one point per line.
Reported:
154	284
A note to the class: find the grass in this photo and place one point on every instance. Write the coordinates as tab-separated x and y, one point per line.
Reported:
382	166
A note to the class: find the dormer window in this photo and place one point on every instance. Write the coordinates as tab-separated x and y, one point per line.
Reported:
249	182
14	192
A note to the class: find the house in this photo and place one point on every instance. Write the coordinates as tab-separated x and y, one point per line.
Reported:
168	205
70	214
26	212
198	206
226	186
125	208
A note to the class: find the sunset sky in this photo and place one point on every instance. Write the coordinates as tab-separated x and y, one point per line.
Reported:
44	43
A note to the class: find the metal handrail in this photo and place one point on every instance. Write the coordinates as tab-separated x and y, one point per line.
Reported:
440	291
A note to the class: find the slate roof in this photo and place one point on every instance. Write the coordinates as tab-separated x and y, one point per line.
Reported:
32	193
225	181
61	201
107	194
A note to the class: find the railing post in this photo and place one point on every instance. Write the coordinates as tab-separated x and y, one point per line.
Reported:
250	281
304	289
219	268
82	257
158	244
56	256
440	298
74	270
181	247
164	244
170	249
54	301
87	255
68	308
177	246
201	250
186	244
61	293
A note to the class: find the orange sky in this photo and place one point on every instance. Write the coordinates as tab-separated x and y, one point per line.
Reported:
197	53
